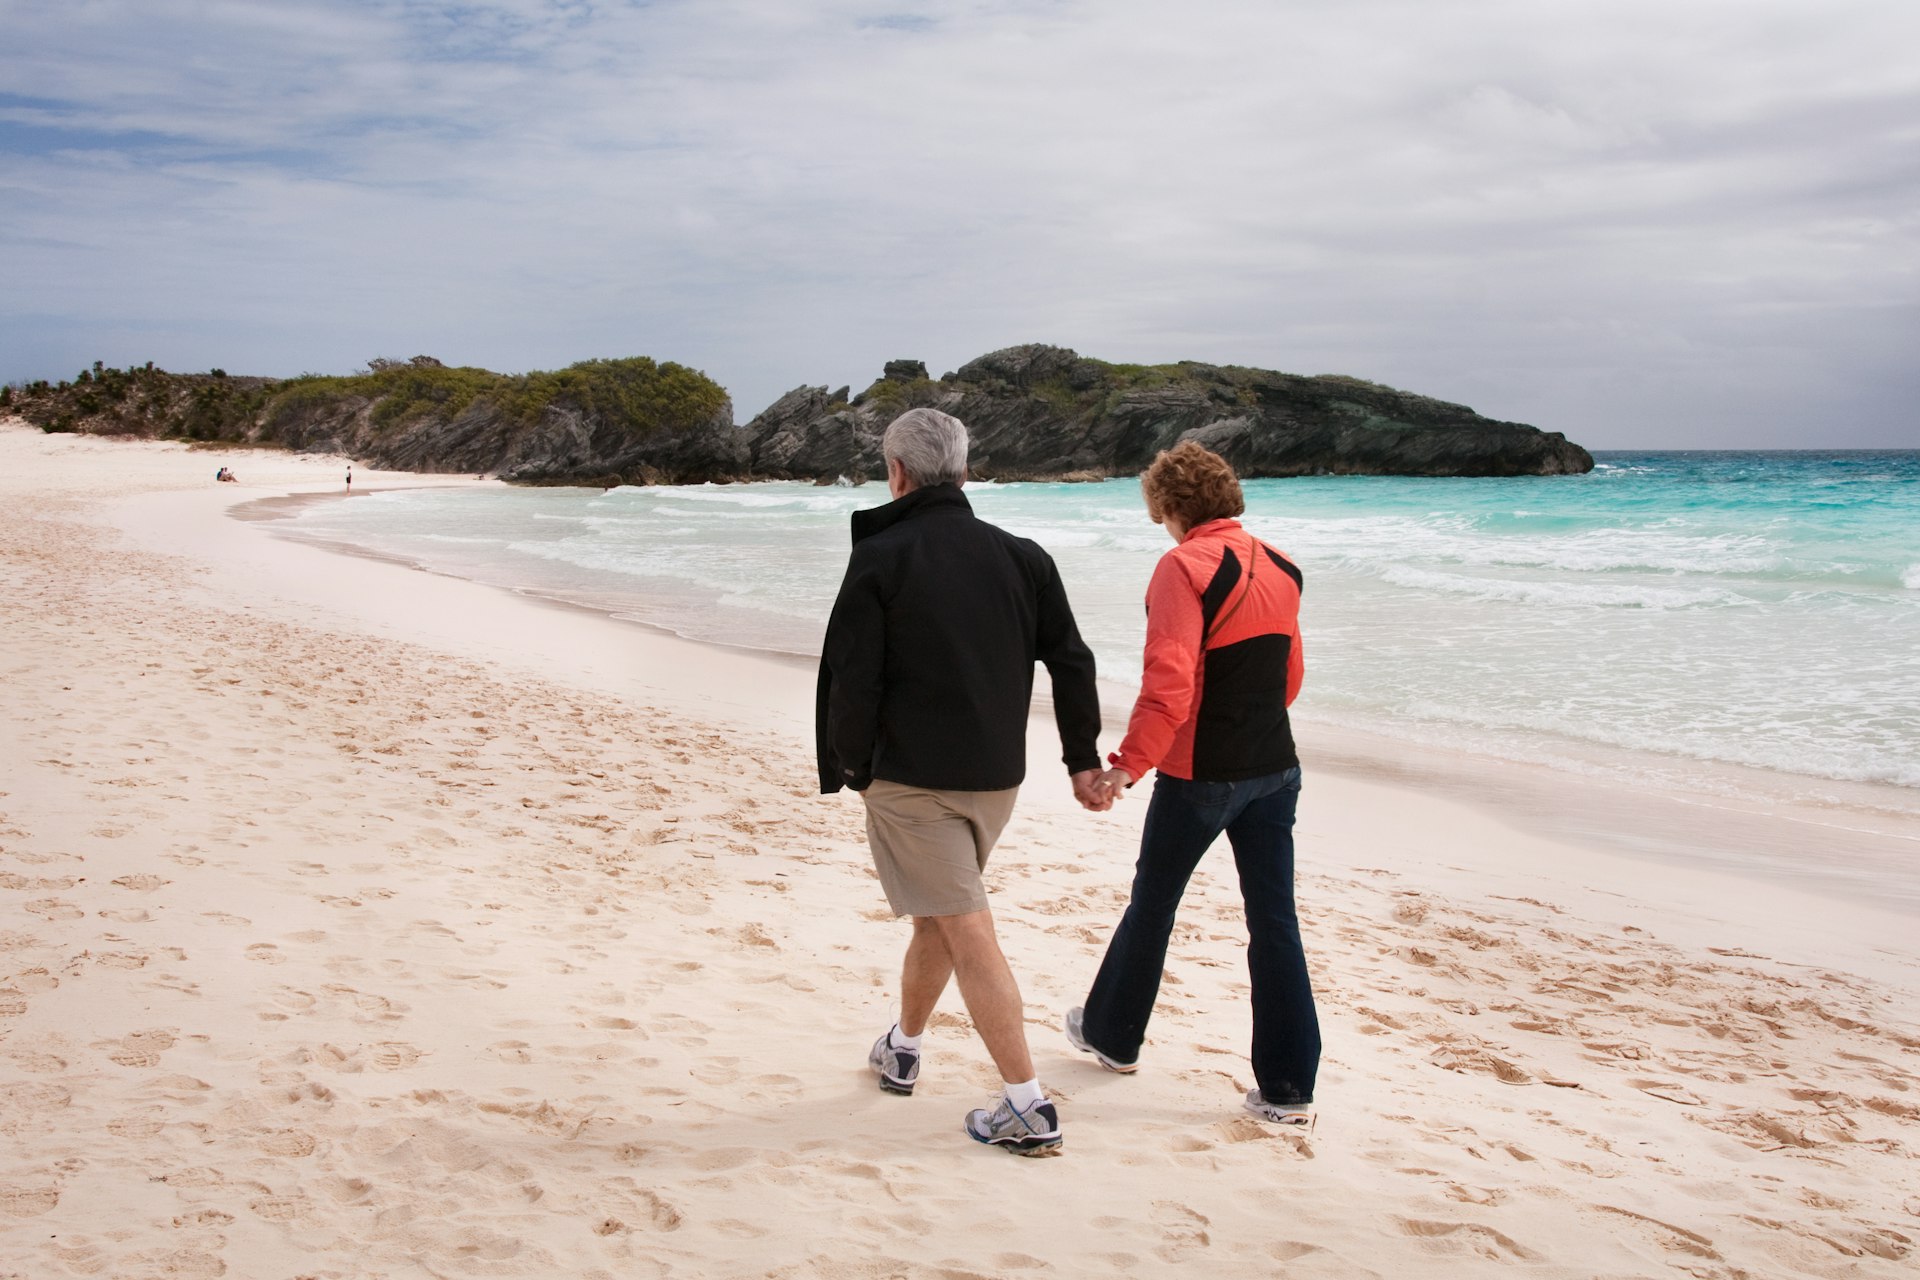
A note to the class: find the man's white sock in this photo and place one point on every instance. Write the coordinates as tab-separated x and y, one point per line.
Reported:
1026	1094
901	1040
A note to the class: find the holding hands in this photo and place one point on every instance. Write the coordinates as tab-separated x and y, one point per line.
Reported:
1096	789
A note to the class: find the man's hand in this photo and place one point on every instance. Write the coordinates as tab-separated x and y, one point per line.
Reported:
1087	790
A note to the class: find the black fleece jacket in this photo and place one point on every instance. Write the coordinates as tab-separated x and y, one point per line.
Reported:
926	674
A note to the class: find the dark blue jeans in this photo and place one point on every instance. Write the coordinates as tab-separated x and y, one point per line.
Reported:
1183	819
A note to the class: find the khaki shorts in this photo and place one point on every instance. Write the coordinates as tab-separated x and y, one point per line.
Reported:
931	846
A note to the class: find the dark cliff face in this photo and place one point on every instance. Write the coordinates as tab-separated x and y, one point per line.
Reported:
564	444
1039	412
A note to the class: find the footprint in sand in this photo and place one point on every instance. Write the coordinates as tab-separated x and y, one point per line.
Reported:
180	1264
25	1099
27	1199
281	1208
613	1024
1184	1230
134	1128
37	1063
142	1048
142	882
8	880
1247	1129
1467	1238
647	1209
393	1055
1474	1059
369	1007
514	1051
1669	1237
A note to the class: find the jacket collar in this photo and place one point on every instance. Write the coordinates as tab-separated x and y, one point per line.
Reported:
872	520
1214	528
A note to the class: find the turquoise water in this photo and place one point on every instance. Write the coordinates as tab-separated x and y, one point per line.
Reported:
1669	610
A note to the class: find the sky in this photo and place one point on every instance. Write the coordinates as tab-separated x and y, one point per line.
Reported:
1644	223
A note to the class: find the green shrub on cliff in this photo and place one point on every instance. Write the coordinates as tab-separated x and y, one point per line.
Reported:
637	392
143	401
890	397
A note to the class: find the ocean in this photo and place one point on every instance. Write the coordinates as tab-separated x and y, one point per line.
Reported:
1688	619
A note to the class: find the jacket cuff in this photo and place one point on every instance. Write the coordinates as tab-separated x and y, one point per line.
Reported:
1136	766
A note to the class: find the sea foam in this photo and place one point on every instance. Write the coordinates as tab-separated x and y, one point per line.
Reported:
1746	609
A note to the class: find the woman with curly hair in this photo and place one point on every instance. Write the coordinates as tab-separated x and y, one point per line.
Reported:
1222	664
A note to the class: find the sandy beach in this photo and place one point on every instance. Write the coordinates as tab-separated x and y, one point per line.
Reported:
361	922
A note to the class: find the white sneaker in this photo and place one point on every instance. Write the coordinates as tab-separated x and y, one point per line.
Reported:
1033	1132
1299	1115
898	1069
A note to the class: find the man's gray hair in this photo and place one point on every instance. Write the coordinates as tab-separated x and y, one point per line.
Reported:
931	445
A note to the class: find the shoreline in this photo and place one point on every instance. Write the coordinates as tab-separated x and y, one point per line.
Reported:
359	921
1758	824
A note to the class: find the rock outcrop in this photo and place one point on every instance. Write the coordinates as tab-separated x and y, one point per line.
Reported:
599	421
1039	412
1034	413
631	421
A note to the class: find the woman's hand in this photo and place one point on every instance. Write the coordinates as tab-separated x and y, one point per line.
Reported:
1096	790
1086	789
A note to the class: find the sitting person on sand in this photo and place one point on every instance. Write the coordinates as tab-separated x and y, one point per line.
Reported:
1222	664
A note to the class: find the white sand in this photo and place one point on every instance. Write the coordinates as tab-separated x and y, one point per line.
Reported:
360	922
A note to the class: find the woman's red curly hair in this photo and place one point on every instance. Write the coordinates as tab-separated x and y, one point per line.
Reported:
1193	484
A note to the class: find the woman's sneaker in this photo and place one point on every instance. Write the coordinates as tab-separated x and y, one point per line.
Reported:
1033	1132
1077	1037
898	1069
1299	1115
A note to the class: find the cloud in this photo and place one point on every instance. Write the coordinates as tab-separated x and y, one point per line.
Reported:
1637	223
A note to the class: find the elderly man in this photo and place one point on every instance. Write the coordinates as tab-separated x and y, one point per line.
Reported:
925	679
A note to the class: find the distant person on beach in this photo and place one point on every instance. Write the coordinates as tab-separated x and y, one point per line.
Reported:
926	675
349	477
1222	665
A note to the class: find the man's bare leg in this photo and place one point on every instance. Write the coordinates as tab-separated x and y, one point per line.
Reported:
987	986
923	976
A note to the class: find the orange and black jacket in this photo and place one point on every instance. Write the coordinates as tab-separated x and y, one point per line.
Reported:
1223	661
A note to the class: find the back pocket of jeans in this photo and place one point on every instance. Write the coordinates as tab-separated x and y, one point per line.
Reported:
1209	795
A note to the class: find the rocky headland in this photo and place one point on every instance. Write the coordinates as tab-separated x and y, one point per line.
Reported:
1035	412
596	422
1038	412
